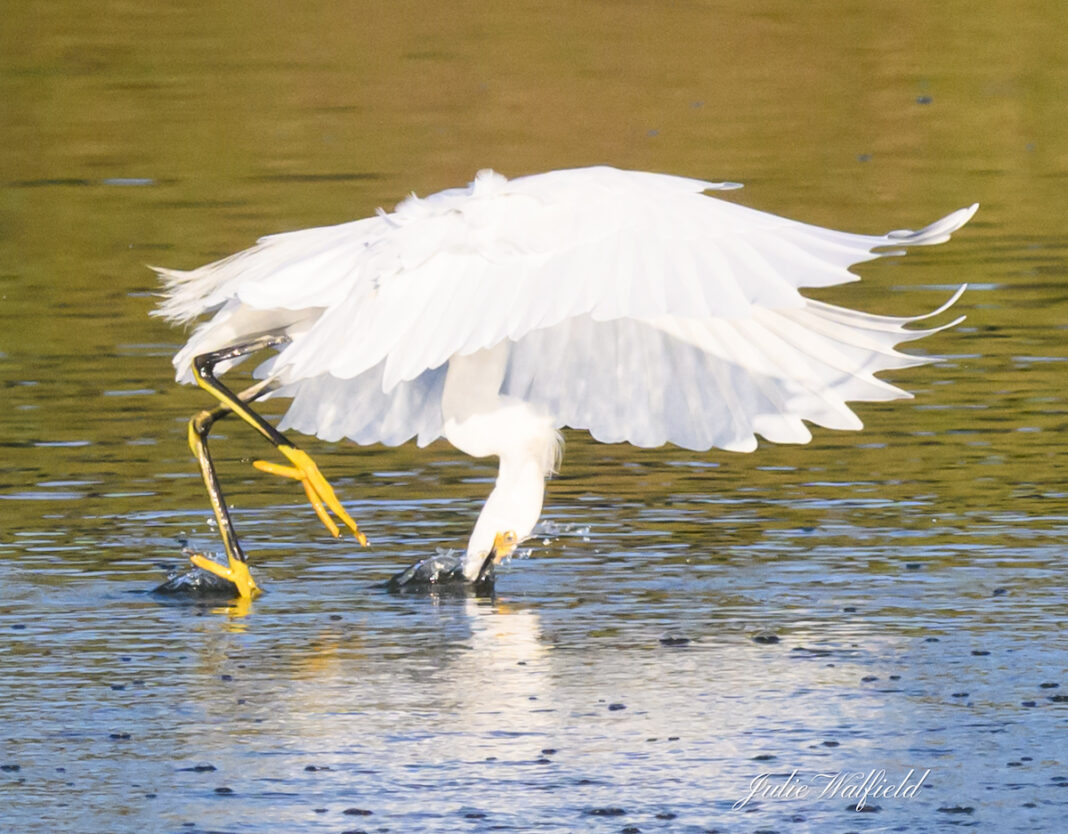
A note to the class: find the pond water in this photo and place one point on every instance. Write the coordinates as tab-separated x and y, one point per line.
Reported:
888	601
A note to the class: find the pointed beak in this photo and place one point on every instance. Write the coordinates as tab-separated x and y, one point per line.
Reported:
504	545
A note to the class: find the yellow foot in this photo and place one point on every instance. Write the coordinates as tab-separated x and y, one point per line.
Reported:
316	487
236	572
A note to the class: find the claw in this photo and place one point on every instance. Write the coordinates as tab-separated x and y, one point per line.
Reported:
236	572
279	470
316	487
320	511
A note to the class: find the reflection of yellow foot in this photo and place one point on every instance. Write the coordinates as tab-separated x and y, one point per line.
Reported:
236	572
316	487
235	610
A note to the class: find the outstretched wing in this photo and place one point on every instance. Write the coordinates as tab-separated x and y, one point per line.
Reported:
634	305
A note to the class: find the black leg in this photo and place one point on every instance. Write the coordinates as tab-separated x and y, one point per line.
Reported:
199	428
303	468
204	373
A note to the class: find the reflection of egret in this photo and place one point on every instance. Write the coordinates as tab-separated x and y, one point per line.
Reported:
418	674
627	304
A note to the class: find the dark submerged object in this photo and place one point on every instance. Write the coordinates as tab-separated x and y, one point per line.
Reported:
196	583
442	572
438	573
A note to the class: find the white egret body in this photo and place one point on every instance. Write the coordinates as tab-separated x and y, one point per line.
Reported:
631	305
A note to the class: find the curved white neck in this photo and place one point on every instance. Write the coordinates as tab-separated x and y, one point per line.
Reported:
514	505
481	422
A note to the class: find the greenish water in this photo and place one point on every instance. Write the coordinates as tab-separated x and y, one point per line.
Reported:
913	573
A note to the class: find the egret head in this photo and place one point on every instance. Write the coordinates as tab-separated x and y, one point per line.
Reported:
504	545
480	560
480	569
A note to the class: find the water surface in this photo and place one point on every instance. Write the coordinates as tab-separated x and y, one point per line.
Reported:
889	600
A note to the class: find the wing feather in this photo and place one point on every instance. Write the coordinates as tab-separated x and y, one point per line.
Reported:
633	305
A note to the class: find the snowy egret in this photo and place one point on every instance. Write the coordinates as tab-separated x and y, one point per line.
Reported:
628	304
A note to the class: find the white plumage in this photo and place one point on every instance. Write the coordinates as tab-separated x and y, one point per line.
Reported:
624	303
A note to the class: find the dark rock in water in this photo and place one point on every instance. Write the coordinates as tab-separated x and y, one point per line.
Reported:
197	584
443	572
606	812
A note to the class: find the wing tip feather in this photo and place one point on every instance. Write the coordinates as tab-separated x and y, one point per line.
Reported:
937	232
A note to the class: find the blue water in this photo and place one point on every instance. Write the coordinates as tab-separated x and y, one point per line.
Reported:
684	624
